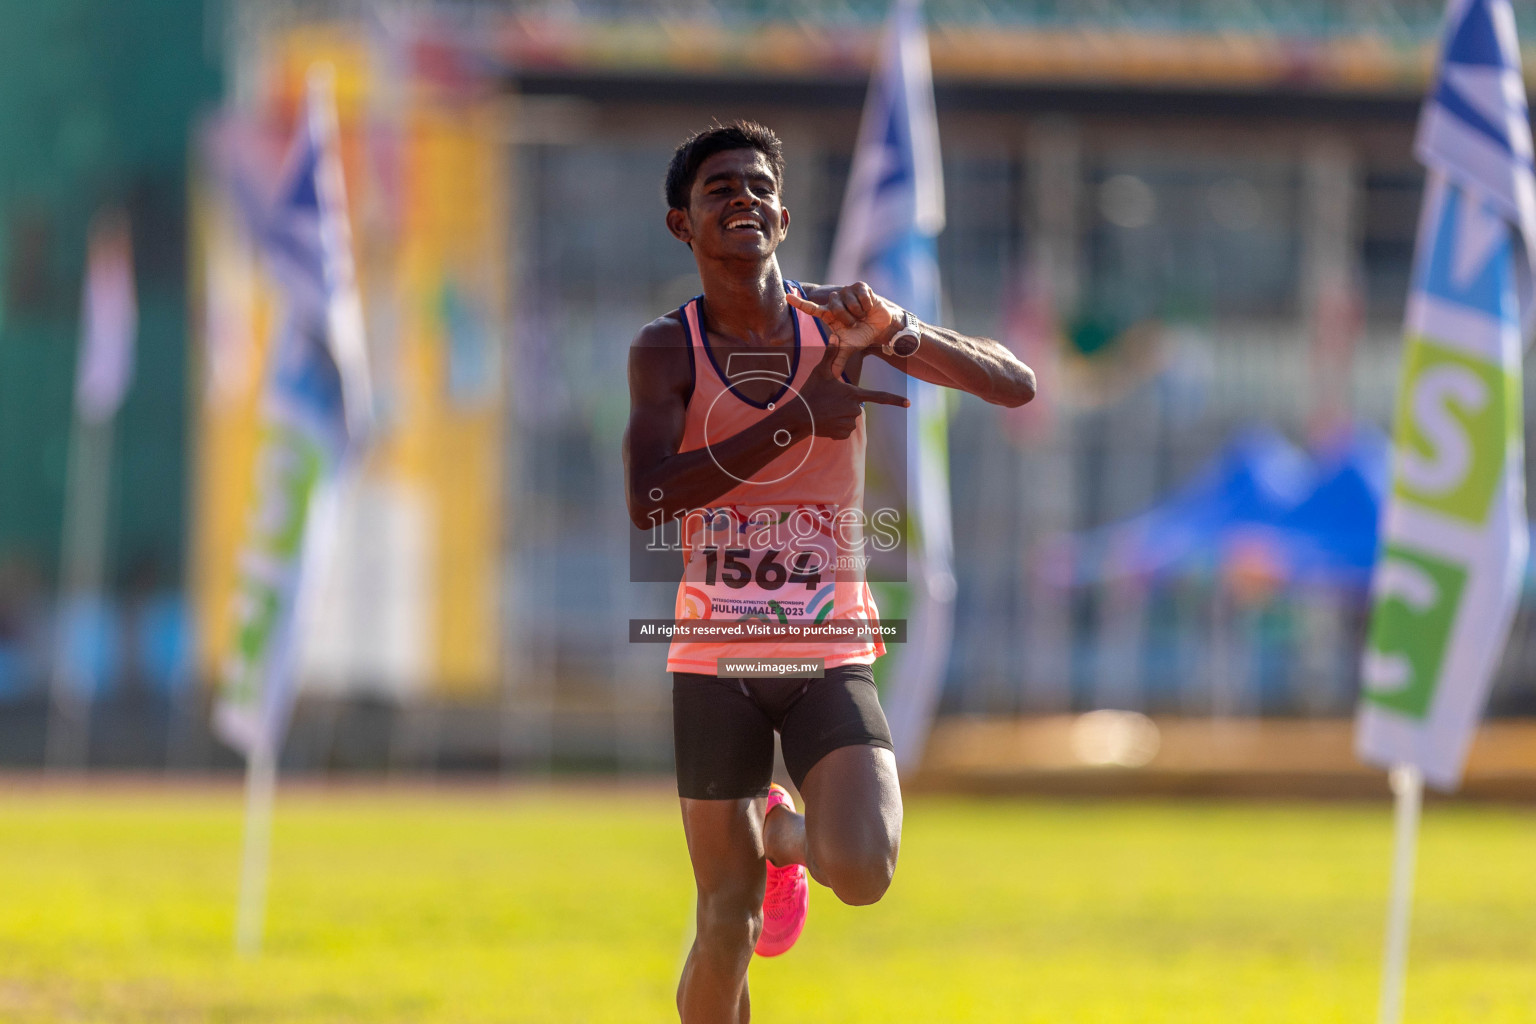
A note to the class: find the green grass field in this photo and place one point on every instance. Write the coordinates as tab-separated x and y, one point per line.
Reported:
571	904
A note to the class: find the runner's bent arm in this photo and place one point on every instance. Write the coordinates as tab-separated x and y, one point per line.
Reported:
979	366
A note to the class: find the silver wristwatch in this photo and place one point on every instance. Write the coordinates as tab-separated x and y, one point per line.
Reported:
906	341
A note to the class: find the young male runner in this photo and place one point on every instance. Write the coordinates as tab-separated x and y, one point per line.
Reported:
746	422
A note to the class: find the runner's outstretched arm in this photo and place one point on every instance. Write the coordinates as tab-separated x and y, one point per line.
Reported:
860	322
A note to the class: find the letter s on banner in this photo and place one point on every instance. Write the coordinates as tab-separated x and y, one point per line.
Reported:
1433	392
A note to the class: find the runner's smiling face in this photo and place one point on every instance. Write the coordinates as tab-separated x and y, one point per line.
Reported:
734	208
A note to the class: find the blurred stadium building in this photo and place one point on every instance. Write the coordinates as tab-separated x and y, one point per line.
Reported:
1194	219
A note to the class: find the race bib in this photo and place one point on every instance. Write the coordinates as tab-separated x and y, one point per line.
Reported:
778	563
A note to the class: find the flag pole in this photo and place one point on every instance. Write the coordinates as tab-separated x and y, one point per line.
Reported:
82	572
251	912
1407	783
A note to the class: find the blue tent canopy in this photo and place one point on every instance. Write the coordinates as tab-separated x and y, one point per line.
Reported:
1331	535
1311	519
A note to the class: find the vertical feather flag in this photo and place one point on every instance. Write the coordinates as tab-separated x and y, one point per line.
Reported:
1454	537
1454	531
892	214
316	403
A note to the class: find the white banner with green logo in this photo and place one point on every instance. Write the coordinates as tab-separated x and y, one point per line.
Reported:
1455	533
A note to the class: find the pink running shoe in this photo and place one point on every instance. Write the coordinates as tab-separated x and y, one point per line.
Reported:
788	895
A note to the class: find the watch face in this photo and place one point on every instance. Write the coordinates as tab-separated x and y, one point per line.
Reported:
904	344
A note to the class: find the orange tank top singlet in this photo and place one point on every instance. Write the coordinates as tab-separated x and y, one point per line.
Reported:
786	545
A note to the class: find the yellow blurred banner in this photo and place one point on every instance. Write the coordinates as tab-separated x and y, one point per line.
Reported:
409	600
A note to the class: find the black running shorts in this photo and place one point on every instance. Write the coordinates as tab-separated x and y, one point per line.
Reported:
723	728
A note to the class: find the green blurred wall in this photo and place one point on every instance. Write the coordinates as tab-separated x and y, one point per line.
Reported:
98	101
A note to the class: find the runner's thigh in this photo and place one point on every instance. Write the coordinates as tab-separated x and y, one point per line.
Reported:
722	739
839	710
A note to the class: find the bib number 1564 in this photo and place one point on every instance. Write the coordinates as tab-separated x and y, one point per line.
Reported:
736	572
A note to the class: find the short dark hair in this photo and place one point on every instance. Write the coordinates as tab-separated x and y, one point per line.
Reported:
718	138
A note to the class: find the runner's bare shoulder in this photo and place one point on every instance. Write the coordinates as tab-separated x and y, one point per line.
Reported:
659	357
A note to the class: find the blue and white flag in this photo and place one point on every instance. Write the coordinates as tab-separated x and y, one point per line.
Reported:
109	318
1454	534
316	405
892	214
